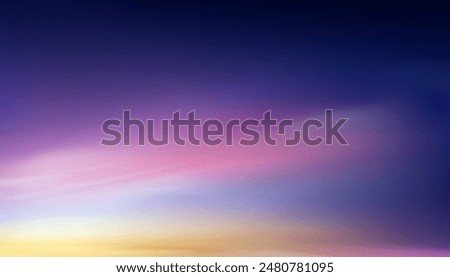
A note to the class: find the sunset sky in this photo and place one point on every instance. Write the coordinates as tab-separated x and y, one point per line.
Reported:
67	66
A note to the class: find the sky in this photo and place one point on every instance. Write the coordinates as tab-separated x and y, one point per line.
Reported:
67	66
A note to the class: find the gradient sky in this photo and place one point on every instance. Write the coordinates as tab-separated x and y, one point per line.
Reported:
67	66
